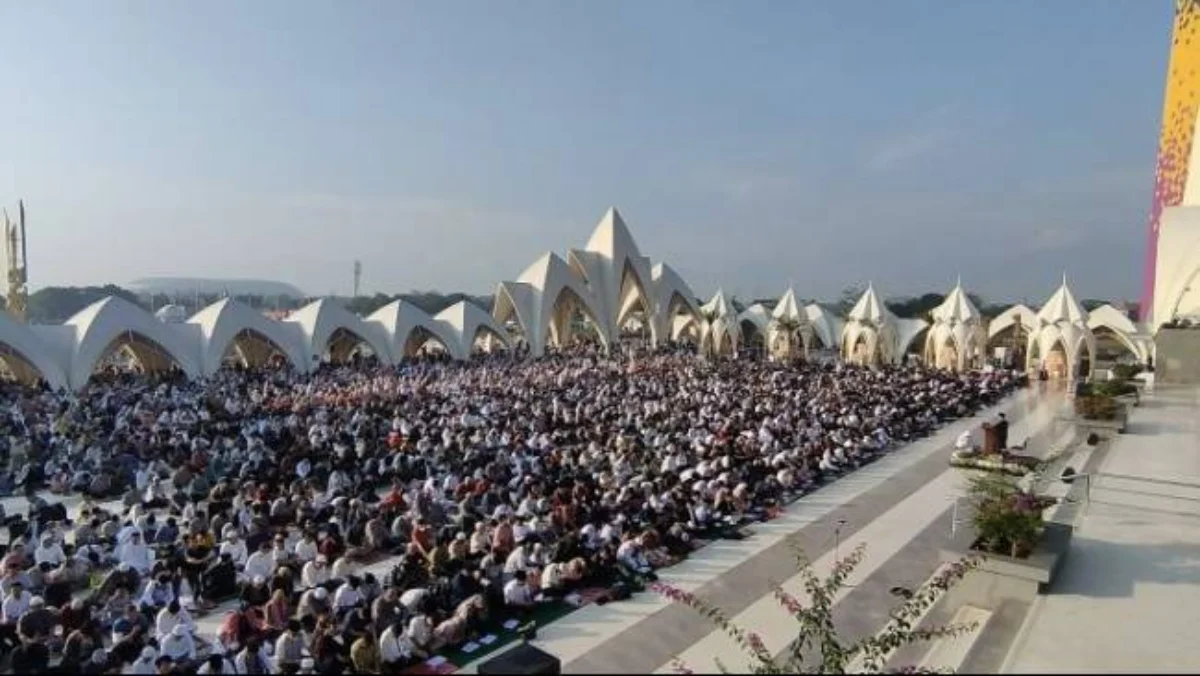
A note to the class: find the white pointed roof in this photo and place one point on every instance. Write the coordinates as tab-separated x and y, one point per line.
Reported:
720	306
870	309
399	319
222	321
30	347
957	308
463	320
99	324
758	315
320	319
787	307
612	236
1062	307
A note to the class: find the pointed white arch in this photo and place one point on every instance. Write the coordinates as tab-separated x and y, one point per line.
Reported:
465	321
222	322
672	296
613	271
1128	334
826	326
1010	317
110	319
21	348
399	320
320	320
534	301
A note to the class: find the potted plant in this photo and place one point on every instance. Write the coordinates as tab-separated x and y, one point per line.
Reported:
1008	519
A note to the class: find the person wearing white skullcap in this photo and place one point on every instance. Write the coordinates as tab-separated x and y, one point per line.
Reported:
144	664
178	645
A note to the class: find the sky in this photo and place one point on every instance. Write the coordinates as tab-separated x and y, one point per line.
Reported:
447	145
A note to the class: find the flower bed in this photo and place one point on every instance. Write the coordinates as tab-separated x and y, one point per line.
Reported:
1008	519
1004	463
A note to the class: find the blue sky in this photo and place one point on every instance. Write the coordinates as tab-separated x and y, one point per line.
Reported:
448	144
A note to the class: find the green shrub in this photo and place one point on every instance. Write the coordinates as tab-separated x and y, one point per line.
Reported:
1113	388
1008	520
1096	407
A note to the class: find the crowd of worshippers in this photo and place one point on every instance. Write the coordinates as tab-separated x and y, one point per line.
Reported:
495	485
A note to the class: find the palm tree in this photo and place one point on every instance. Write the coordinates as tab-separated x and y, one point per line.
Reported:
788	327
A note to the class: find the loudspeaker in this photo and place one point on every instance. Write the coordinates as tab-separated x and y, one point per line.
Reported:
523	659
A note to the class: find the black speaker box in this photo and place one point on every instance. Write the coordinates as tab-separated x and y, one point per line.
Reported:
523	659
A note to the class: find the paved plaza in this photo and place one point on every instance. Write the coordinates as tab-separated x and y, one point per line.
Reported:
1128	599
900	506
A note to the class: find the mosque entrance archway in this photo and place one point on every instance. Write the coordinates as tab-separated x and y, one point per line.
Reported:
345	346
251	349
15	367
133	352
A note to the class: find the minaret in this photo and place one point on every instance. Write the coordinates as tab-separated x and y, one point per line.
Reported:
18	277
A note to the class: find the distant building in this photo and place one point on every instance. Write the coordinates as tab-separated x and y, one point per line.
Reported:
189	286
171	314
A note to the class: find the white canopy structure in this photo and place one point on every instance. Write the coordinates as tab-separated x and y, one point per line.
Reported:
26	355
114	324
408	328
328	329
607	282
1061	342
544	301
605	285
1134	337
616	274
790	329
826	326
754	325
720	330
956	341
470	325
675	304
873	335
230	326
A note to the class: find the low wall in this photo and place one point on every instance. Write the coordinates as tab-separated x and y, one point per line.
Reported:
998	578
1177	356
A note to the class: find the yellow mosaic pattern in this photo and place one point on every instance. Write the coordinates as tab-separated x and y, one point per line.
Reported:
1179	119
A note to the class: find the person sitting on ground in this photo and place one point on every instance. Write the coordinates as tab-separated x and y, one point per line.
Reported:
518	596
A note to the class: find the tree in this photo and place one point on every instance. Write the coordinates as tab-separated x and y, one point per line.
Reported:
55	304
919	306
817	648
846	301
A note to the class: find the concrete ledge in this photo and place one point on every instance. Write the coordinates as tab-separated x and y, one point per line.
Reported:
1002	578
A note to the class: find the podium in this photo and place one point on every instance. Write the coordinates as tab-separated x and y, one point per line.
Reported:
523	659
991	439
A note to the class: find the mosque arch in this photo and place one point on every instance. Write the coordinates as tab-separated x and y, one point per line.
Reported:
253	349
26	356
563	323
418	340
1111	344
137	350
19	367
345	344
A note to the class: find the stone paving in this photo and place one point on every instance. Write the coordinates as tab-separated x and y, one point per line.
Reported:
900	505
1128	596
